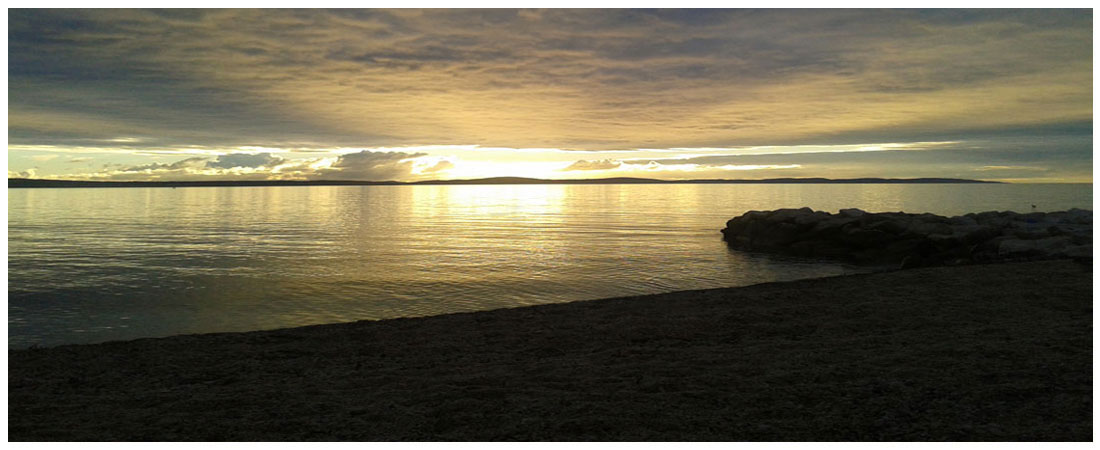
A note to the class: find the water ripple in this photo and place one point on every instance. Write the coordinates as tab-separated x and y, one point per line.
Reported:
89	265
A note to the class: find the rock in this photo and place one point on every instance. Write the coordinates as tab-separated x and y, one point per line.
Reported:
866	238
1010	247
1035	217
889	226
781	215
1080	252
946	241
966	220
831	225
811	219
1052	245
914	240
1046	247
1069	229
1079	216
910	262
932	218
924	228
992	218
978	234
1031	232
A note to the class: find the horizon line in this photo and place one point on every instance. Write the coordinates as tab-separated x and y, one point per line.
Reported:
46	183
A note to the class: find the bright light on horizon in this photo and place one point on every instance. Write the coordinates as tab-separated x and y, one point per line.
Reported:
447	162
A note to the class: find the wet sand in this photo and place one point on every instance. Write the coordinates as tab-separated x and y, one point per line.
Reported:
985	352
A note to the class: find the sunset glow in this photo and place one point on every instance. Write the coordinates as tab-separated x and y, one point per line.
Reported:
558	94
550	225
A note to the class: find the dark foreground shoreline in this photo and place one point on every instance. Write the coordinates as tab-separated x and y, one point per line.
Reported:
983	352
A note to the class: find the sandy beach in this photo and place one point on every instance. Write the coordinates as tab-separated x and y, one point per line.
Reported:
985	352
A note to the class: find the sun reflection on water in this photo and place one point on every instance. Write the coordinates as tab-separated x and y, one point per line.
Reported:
190	260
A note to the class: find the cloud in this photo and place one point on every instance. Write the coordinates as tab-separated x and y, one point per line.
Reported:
29	173
580	79
603	164
199	163
194	163
43	158
653	165
199	82
245	160
1017	168
363	165
80	159
757	166
235	165
441	166
370	166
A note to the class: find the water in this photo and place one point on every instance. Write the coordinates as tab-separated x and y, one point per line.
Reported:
92	265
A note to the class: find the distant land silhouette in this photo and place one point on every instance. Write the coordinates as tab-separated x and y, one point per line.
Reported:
36	183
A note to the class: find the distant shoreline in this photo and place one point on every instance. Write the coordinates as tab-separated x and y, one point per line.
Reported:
38	183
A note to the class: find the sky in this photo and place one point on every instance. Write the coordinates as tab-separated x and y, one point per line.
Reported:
411	95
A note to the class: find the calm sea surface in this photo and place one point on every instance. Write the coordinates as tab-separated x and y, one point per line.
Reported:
92	265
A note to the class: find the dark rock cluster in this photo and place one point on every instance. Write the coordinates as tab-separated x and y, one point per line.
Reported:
914	240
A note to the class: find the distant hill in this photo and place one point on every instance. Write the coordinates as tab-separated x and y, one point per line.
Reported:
34	183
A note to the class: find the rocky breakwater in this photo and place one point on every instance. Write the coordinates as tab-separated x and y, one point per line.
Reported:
913	240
